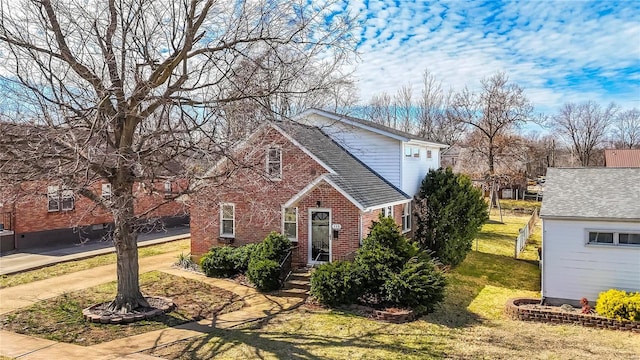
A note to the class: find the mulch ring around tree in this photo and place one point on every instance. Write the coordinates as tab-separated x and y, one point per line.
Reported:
61	318
100	313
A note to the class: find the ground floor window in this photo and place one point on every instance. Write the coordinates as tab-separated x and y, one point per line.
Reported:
290	223
387	211
227	220
614	237
406	217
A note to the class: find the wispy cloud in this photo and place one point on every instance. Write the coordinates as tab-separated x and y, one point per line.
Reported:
557	50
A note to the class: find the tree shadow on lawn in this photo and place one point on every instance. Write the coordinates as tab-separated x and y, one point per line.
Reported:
296	344
467	281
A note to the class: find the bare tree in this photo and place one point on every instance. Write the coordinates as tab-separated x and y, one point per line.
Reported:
403	109
433	121
497	109
380	110
584	126
117	91
626	129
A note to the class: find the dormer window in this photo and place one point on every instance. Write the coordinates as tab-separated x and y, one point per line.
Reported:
274	163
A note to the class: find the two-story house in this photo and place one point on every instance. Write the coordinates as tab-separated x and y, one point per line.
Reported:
321	180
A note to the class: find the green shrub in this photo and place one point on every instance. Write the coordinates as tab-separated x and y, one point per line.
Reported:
618	304
274	247
420	285
218	262
264	273
449	213
241	257
335	283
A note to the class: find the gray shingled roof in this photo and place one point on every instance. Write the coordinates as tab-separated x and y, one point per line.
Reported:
380	127
352	176
605	193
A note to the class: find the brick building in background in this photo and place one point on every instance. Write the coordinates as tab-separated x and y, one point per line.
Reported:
321	180
42	213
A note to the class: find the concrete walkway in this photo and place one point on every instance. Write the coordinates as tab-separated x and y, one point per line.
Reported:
23	260
258	306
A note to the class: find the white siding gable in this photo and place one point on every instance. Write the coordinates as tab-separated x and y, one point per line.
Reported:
380	153
572	269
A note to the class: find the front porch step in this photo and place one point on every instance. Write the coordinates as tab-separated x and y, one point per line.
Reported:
298	284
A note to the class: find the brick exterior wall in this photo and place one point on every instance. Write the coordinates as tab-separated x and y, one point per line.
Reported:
29	206
258	203
516	312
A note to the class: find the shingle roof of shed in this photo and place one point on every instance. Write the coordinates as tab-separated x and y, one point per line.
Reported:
352	176
592	193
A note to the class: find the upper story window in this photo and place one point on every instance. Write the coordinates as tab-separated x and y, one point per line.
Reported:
60	199
227	220
429	156
290	223
614	237
106	191
411	151
406	217
274	163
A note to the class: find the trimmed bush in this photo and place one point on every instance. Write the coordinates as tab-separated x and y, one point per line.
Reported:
274	247
264	273
218	262
619	305
335	283
242	255
420	285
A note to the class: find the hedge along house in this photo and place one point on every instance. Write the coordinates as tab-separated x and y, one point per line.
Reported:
303	183
591	233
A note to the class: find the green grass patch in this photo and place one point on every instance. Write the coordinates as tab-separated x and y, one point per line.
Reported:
60	318
527	205
85	264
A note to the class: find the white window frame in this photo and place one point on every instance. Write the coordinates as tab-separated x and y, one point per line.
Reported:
279	161
67	195
53	197
406	217
430	155
387	211
106	191
407	151
616	237
233	220
412	152
284	221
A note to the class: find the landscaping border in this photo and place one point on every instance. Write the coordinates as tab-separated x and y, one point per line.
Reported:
515	312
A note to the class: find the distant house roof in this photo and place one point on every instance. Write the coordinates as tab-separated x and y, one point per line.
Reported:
622	158
592	194
359	182
370	125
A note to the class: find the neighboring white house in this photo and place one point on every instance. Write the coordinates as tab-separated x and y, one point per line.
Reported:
591	233
401	158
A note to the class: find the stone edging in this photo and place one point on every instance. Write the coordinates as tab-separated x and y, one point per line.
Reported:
89	315
515	312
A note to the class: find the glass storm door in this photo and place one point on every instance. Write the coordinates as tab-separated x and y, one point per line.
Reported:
320	236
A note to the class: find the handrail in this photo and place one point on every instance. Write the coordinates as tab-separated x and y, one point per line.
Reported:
285	266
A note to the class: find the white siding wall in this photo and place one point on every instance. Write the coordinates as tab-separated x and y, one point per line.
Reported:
379	152
415	169
572	269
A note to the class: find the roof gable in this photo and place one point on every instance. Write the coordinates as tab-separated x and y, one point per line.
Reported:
358	182
592	193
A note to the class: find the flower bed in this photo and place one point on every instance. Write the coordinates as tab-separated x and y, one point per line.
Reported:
527	309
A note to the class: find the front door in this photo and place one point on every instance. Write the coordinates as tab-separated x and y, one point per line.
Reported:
319	236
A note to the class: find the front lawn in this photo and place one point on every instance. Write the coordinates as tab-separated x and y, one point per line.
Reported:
79	265
60	318
469	324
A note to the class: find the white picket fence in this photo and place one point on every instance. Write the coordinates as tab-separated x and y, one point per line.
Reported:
525	232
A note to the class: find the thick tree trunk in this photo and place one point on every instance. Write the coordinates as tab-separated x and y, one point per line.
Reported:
125	238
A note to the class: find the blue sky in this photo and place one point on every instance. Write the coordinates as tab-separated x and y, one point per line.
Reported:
559	51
